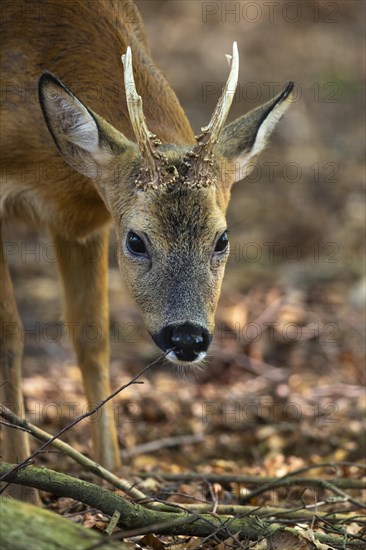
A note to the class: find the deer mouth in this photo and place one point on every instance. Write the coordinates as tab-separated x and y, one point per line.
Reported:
183	343
173	358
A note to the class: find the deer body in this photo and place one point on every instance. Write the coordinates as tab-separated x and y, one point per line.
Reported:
140	168
65	44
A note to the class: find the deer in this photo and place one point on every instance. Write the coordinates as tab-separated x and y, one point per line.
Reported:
111	131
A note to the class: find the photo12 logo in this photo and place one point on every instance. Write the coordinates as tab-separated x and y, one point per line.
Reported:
238	412
270	12
273	252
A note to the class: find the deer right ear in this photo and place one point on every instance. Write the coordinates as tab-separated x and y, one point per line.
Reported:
241	141
86	141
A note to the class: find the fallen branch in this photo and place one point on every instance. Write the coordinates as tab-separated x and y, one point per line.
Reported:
134	516
23	524
299	514
344	483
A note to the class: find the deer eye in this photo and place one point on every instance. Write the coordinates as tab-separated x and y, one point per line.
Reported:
222	242
135	244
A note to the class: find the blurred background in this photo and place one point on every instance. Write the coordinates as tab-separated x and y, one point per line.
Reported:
284	383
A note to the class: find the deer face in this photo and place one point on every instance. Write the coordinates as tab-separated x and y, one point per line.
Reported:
173	249
168	202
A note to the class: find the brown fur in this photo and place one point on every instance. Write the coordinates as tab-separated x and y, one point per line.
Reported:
181	281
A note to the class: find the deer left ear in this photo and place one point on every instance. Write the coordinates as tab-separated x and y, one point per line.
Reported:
85	140
241	141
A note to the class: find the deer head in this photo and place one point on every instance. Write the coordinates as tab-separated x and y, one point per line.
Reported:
167	202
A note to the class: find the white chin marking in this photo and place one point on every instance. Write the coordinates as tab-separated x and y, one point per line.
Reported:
174	359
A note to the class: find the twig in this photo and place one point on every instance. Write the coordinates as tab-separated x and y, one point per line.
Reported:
174	441
81	459
295	514
345	483
113	522
214	498
82	417
288	480
14	426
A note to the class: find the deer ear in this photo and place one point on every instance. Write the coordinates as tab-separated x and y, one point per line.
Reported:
86	141
242	140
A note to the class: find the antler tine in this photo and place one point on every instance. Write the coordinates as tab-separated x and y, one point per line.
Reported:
200	159
146	140
222	109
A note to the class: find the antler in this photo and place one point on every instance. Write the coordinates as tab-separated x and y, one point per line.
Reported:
200	159
146	140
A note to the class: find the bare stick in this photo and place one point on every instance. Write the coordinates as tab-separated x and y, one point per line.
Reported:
81	459
164	442
14	426
301	513
80	418
344	483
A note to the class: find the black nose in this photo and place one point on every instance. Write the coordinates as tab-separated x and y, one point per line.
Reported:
187	341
